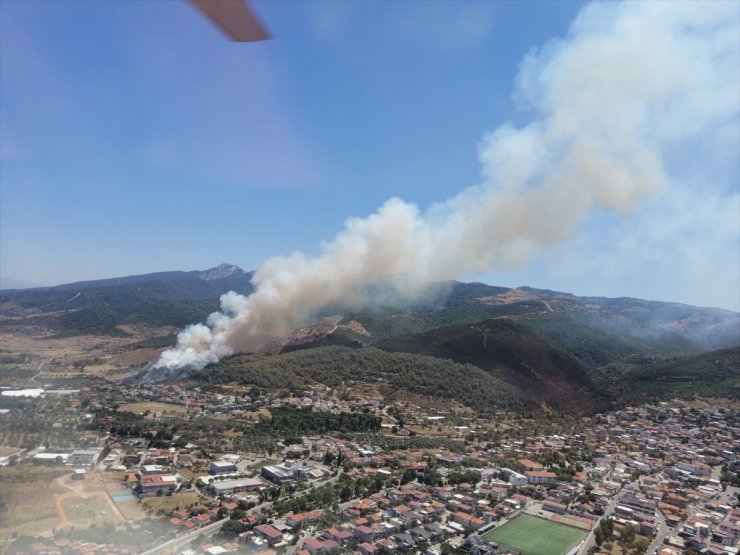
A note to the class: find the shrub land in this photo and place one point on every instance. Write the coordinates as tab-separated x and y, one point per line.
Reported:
535	536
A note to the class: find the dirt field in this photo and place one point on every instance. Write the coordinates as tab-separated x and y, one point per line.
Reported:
41	499
257	414
92	354
164	408
29	492
83	509
166	504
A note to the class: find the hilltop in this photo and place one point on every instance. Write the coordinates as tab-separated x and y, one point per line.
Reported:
102	307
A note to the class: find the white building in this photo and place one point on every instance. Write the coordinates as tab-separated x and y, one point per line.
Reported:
514	478
10	455
227	487
222	467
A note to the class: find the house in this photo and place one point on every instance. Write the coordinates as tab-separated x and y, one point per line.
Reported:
467	520
729	528
554	507
299	520
421	536
270	533
339	536
676	500
405	541
364	533
318	547
540	477
155	483
367	548
530	465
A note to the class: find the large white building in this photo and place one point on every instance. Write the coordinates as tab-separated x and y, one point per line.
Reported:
227	487
10	455
514	478
222	467
86	457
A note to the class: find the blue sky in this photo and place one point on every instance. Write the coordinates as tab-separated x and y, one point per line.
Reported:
135	138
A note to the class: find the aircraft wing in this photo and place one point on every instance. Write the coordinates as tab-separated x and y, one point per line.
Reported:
234	18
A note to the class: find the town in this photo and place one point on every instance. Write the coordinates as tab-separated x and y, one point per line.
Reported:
194	469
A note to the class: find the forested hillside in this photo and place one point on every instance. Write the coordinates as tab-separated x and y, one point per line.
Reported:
334	366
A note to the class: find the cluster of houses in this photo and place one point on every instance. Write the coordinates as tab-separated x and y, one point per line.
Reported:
653	468
670	460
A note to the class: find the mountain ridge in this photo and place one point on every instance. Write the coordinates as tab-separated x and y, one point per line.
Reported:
169	298
534	347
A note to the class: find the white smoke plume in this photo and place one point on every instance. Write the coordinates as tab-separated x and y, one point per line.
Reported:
610	105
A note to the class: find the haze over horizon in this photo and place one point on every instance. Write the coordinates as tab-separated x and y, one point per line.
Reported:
135	139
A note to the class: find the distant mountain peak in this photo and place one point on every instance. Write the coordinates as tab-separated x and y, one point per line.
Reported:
221	271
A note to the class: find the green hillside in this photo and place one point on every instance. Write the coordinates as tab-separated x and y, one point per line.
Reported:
713	374
512	353
334	366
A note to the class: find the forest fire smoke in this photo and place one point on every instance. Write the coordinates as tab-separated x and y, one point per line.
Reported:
609	104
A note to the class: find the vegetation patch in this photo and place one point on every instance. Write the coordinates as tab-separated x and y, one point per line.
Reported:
713	374
165	504
334	366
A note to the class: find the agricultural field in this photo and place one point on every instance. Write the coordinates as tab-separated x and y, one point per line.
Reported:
535	536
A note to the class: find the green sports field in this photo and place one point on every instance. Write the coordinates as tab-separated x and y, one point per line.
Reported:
535	536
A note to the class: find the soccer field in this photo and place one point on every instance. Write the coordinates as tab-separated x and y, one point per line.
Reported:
535	536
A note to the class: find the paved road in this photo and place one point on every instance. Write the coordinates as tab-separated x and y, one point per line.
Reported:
716	472
729	495
660	534
590	540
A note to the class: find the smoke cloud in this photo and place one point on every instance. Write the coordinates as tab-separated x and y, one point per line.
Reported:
610	106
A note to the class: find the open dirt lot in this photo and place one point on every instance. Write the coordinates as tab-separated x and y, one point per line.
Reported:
87	508
29	493
164	408
92	354
41	499
168	503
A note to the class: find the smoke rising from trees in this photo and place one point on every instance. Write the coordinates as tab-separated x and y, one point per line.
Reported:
610	104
